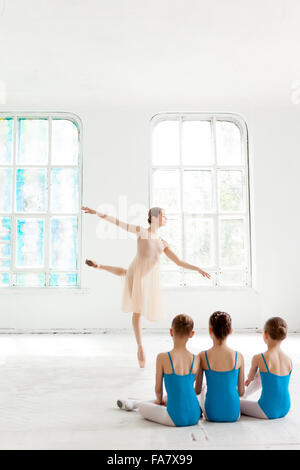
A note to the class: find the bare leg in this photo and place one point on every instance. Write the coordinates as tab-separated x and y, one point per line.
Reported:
113	269
137	328
118	271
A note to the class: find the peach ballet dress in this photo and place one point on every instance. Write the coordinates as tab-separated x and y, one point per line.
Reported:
141	292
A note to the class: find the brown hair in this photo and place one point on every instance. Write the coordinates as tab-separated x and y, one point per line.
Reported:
220	323
182	325
276	328
153	212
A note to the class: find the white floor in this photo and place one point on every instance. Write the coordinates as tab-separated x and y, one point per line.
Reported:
60	392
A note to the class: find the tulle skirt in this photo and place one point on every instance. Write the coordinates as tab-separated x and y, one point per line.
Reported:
141	291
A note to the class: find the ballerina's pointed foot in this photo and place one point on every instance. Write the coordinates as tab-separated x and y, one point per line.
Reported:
141	357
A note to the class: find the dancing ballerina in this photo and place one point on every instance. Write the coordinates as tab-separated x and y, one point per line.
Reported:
142	293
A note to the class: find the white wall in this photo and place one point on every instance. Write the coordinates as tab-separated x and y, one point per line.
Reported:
116	64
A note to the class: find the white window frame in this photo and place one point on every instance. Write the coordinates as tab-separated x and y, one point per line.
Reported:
15	115
213	117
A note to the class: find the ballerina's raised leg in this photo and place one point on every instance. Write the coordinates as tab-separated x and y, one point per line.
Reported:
118	271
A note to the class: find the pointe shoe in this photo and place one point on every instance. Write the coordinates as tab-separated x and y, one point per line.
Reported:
141	357
128	405
124	405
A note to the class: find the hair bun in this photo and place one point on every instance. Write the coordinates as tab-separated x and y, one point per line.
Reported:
276	327
220	323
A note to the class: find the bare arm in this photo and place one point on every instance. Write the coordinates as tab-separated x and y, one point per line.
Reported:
199	378
173	257
113	220
241	385
159	381
252	371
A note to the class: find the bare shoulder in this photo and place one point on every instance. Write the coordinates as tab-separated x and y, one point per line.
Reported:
285	356
286	359
256	359
161	357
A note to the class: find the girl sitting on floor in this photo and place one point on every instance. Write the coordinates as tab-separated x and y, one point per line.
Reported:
270	371
224	371
177	369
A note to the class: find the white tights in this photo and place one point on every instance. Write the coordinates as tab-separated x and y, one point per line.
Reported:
157	413
252	408
151	411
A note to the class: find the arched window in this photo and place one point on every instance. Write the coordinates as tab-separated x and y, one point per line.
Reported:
199	175
40	200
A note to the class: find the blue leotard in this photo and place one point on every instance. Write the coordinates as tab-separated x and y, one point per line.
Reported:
182	402
222	401
275	398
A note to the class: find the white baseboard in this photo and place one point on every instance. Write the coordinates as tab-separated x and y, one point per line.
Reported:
82	331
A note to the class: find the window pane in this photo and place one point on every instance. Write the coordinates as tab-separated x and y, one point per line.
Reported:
230	190
232	242
5	234
6	139
63	279
31	190
199	241
4	279
4	264
232	278
197	191
5	229
64	142
229	148
63	250
5	250
30	243
64	190
165	143
32	142
166	190
5	189
196	143
171	278
192	278
29	279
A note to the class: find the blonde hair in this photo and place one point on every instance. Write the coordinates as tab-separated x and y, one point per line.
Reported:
182	324
276	328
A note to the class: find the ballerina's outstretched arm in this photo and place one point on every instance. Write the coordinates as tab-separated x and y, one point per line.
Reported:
118	271
173	257
137	229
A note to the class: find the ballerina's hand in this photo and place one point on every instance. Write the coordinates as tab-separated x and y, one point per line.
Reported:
87	210
204	274
247	382
162	402
91	263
